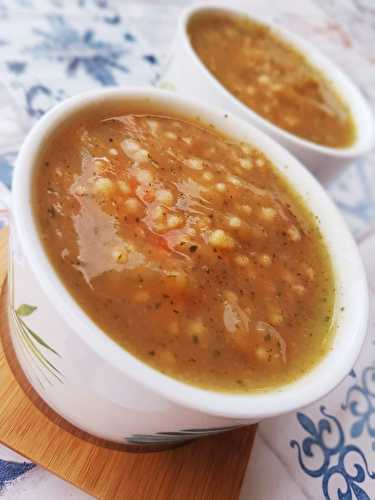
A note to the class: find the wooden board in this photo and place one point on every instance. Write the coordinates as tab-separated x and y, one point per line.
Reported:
210	468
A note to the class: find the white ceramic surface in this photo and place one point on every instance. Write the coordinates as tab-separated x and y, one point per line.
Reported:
104	390
186	74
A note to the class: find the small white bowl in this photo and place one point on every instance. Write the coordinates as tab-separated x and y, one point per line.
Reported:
103	389
188	75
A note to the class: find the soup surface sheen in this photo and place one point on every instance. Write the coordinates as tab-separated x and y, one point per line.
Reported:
272	78
187	248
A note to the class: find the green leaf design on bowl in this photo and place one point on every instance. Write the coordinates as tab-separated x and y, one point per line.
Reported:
35	348
25	310
33	341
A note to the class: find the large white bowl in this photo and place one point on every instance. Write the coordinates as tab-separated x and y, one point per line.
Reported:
188	75
106	391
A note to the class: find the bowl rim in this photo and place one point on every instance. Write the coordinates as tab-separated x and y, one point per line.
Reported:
326	375
365	135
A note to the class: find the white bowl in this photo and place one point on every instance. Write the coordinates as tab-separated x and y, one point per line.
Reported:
106	391
188	75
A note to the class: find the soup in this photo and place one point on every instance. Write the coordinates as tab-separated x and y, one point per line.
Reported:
186	247
272	78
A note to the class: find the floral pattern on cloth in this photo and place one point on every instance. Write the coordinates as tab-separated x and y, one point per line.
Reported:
327	426
52	49
9	471
69	47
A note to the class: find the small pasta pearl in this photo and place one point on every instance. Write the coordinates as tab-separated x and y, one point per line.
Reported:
103	185
124	187
235	222
220	239
221	187
265	260
144	176
171	135
246	209
194	163
246	164
164	196
241	260
294	233
174	221
132	206
208	176
268	213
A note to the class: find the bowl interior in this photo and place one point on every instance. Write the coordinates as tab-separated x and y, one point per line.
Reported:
351	298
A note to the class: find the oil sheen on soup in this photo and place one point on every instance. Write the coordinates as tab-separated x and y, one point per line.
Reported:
272	78
187	248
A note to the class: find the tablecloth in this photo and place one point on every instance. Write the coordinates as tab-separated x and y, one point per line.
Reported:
50	49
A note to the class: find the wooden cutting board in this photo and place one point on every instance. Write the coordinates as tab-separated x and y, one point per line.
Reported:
210	468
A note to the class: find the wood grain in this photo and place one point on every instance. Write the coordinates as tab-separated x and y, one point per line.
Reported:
210	468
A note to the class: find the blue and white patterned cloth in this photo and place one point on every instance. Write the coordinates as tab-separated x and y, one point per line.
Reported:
51	49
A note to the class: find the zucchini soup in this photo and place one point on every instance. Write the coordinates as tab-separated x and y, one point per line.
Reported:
272	78
187	248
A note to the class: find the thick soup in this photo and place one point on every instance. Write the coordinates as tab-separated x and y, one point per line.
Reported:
187	248
272	78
